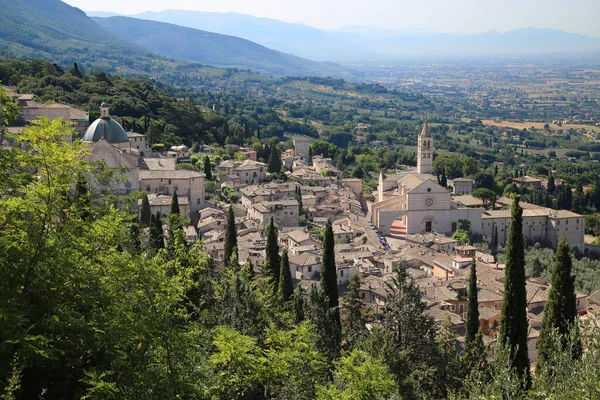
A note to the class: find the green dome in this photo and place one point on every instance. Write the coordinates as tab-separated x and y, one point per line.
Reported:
106	128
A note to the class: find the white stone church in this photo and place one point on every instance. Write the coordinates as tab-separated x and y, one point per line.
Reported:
413	202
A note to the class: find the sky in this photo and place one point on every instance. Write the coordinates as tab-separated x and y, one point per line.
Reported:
450	16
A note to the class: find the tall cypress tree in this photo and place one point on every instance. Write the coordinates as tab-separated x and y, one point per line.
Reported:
354	320
156	232
513	325
560	311
175	204
230	236
328	270
551	186
286	286
444	180
207	169
472	322
274	165
494	241
272	261
299	198
145	214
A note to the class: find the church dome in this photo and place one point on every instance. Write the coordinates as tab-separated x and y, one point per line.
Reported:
105	127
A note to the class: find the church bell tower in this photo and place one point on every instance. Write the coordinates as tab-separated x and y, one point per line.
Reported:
425	151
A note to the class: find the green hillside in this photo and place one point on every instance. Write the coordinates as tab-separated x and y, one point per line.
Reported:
212	48
54	31
57	32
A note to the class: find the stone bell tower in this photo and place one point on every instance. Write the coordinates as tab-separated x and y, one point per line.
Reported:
425	151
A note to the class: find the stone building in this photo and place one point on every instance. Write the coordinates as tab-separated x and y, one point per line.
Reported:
187	183
412	203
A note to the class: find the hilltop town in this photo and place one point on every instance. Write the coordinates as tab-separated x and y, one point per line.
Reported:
411	218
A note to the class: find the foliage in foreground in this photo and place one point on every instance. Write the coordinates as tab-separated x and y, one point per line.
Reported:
87	311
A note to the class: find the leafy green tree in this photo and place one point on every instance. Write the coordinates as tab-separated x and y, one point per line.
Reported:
207	169
513	324
230	236
560	311
461	236
470	166
286	286
329	271
359	376
8	108
354	322
145	213
175	204
487	196
272	261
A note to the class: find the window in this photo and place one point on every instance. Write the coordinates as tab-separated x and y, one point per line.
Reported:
148	188
309	268
198	201
169	181
342	273
462	308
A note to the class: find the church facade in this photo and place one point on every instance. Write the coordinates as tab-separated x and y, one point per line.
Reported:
414	202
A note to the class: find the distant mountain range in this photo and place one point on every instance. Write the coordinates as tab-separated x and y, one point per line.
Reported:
297	39
59	33
368	43
212	48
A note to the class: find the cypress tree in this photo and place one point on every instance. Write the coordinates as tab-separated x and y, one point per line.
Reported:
354	320
299	198
494	241
175	204
444	180
328	271
560	311
156	232
472	321
551	186
298	304
145	214
207	169
513	325
76	71
272	265
286	286
230	236
547	200
274	165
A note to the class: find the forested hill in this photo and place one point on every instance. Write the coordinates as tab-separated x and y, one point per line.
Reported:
213	49
59	33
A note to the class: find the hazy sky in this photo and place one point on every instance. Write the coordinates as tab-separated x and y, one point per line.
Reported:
462	16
